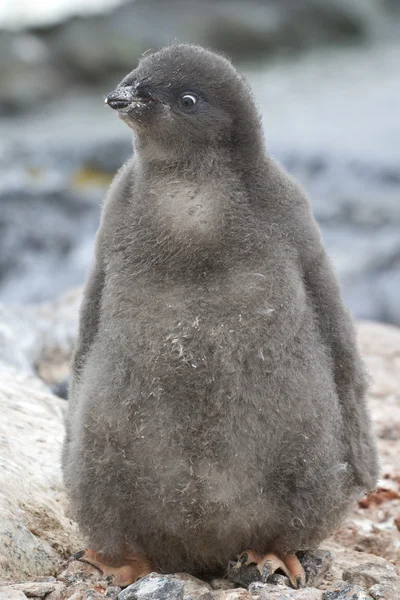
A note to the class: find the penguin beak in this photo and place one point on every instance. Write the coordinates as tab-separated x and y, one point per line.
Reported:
123	96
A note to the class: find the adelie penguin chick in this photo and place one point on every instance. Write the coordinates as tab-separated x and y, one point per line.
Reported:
218	401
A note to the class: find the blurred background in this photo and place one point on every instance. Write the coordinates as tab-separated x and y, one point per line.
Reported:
326	75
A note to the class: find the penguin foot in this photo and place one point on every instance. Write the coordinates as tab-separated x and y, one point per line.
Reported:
250	566
123	572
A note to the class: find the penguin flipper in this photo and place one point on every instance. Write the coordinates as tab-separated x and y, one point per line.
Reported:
337	332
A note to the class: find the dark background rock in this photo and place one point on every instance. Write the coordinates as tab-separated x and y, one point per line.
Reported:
326	76
43	60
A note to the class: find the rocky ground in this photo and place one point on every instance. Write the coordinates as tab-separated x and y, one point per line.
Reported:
361	561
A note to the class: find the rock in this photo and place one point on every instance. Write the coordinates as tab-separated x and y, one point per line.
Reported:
84	591
7	594
221	584
276	579
202	593
236	594
347	558
315	565
267	591
34	529
194	588
113	592
342	590
78	571
86	49
60	388
40	339
386	591
59	592
256	587
33	588
154	587
369	574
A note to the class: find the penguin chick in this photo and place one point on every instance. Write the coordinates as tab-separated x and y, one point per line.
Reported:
217	406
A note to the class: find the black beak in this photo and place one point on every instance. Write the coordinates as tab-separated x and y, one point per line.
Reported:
123	96
120	98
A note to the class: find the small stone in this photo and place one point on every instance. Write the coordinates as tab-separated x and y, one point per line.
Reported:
221	584
154	587
369	574
316	564
342	590
256	587
386	591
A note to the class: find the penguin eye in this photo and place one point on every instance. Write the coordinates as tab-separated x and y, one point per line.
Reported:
187	100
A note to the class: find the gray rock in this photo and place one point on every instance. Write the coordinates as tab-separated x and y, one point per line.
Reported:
194	588
316	564
154	587
221	584
60	389
272	592
369	574
7	594
236	594
44	61
386	591
113	592
342	590
40	339
35	588
276	579
32	504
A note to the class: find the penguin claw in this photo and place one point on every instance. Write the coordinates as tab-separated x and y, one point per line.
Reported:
123	573
250	567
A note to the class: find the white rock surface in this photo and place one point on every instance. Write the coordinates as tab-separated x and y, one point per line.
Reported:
33	528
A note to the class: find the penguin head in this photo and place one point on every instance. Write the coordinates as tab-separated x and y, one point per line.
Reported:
185	94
